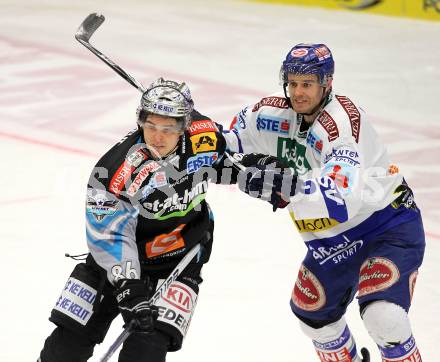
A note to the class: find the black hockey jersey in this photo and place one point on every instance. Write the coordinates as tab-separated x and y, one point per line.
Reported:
147	213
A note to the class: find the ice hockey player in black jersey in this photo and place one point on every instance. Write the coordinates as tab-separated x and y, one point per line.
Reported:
145	210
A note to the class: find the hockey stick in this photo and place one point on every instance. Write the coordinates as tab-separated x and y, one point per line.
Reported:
85	31
163	288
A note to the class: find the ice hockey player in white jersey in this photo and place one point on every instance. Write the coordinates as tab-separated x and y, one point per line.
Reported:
355	212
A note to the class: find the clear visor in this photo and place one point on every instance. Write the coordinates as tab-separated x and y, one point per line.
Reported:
302	69
171	129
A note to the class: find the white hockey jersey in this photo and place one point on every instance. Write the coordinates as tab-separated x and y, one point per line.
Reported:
346	183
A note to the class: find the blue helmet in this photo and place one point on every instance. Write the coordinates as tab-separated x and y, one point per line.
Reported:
309	59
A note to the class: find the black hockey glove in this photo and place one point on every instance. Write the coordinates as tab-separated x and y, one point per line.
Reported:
267	178
132	296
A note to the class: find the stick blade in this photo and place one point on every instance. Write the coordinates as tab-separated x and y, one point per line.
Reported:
89	26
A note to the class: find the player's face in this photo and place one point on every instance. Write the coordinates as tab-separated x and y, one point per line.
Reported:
305	92
161	134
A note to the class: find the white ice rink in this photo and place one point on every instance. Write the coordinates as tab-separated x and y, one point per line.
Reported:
61	108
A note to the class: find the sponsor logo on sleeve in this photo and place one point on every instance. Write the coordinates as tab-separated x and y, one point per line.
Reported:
329	124
204	159
100	206
377	274
272	124
353	115
204	142
308	293
202	126
76	301
343	155
276	102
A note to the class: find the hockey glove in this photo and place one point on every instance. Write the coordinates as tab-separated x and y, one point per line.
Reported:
132	296
267	178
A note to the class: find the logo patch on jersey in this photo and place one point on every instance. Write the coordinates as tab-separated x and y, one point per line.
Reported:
205	125
313	225
204	142
315	142
204	159
377	274
329	124
100	207
141	176
165	243
76	300
308	293
353	115
277	102
273	124
293	153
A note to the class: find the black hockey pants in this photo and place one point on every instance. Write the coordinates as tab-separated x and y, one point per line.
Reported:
67	346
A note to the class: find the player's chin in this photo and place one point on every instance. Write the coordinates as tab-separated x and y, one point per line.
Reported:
301	107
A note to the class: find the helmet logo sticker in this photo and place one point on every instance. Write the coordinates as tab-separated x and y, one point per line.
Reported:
298	53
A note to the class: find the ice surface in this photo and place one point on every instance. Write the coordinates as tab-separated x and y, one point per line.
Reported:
61	108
